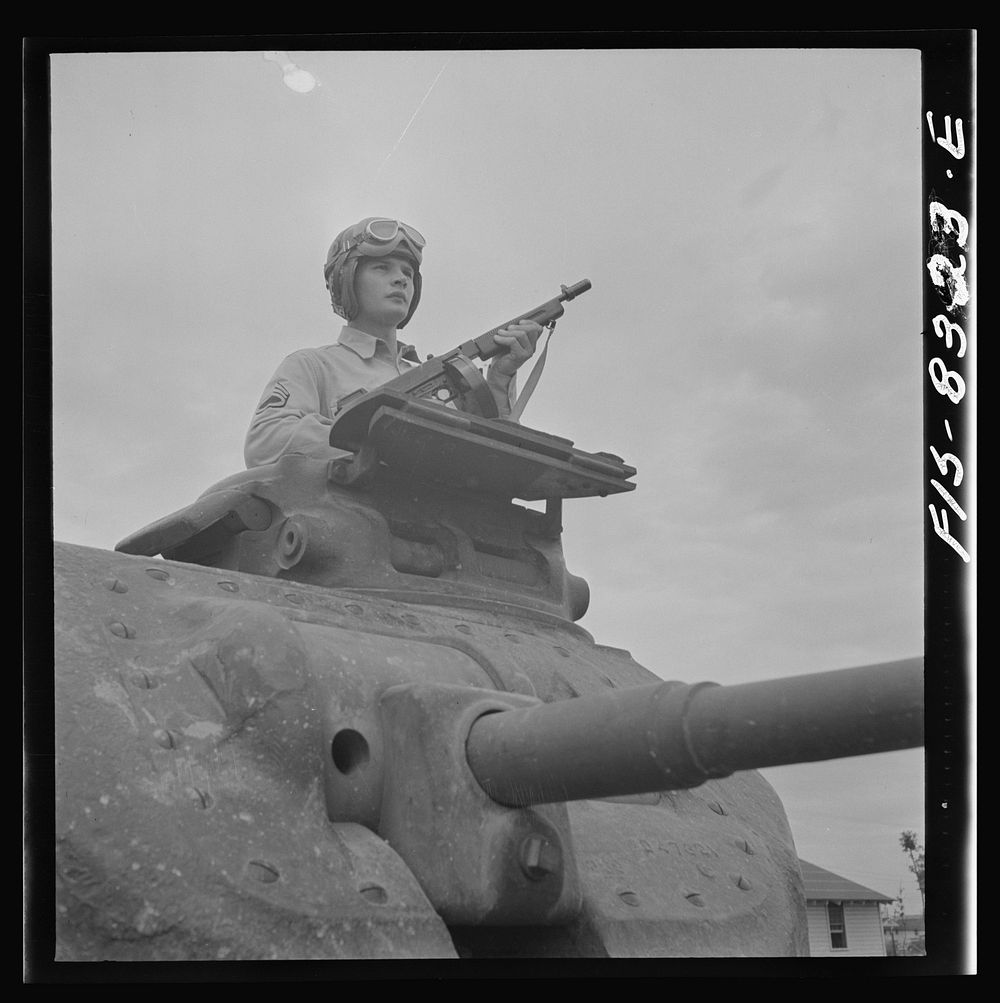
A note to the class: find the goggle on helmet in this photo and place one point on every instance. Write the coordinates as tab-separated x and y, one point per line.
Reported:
373	237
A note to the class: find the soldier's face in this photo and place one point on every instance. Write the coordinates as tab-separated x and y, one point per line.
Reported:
384	289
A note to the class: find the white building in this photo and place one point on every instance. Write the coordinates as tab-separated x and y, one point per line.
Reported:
844	918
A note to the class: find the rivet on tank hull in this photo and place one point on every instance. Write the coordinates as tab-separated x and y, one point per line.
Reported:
165	738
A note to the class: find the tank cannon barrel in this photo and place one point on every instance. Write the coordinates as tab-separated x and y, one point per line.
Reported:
671	735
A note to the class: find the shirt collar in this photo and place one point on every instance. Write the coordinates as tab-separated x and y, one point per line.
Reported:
364	344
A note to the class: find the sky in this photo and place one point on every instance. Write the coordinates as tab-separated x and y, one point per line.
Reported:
750	221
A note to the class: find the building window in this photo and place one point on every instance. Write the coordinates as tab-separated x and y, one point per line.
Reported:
838	932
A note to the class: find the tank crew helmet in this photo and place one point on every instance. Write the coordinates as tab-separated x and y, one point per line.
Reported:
373	237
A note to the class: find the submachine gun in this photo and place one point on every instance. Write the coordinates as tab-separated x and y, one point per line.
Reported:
453	376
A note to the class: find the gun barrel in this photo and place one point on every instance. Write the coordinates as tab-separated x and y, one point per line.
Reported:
672	735
484	346
571	292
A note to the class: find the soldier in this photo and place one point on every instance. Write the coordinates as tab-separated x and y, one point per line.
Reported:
373	275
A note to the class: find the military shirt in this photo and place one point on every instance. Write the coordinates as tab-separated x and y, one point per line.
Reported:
296	411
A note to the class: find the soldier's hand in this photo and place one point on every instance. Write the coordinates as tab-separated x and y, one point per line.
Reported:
520	339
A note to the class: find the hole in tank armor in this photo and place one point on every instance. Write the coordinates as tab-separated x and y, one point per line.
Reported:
349	750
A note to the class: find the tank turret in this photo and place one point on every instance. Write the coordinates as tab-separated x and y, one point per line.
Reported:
342	709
